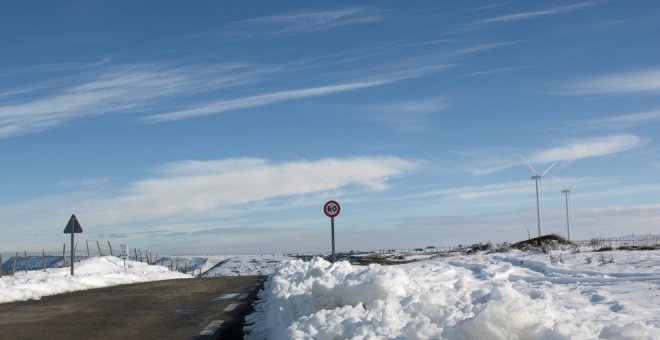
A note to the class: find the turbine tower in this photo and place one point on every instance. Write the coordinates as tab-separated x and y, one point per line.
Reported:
538	178
567	193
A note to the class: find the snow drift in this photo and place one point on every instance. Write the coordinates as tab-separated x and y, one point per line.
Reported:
95	272
512	296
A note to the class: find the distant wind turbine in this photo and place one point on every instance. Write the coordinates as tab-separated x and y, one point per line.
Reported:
567	193
538	177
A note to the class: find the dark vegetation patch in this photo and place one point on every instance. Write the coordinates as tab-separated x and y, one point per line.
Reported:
385	261
541	242
638	247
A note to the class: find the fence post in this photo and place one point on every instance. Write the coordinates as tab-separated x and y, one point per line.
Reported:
1	265
13	269
136	258
43	258
88	255
185	268
64	255
151	259
25	260
110	246
99	246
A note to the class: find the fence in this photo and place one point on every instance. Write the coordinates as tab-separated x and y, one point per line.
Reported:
626	242
41	260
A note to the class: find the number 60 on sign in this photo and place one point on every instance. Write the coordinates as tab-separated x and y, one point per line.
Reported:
331	209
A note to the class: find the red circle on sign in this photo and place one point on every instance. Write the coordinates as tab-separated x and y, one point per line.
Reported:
331	209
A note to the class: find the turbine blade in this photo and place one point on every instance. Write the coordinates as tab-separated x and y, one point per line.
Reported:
576	183
548	169
528	165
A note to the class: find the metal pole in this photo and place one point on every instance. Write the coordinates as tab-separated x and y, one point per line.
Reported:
568	220
332	228
538	205
72	232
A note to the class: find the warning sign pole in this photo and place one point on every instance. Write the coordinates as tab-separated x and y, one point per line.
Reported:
72	233
72	227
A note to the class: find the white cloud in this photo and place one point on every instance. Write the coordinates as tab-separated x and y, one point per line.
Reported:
307	21
628	120
495	160
260	100
195	189
491	72
405	116
587	148
151	88
124	89
636	82
529	15
540	13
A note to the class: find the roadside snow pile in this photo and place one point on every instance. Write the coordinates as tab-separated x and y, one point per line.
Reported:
498	296
91	273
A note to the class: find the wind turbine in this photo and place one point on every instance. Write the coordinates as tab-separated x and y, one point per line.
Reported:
567	193
538	177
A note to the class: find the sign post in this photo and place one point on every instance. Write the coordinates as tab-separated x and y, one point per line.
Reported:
332	209
124	253
72	227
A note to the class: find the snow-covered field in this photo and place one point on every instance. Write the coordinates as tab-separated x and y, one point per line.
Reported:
238	265
95	272
514	295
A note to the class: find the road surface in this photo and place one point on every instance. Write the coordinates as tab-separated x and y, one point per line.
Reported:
208	308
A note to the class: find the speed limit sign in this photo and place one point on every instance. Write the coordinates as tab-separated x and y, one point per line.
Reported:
331	209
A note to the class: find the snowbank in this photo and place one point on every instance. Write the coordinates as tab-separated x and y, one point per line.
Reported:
91	273
513	296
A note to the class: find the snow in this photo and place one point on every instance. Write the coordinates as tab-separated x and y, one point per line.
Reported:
514	295
239	265
91	273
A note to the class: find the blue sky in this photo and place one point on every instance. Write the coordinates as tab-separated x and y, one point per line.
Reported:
220	127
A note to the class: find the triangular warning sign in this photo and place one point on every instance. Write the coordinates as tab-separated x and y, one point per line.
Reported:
73	225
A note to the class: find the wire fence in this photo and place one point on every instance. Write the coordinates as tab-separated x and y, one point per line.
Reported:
24	261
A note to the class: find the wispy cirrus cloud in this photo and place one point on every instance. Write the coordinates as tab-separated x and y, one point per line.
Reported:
539	13
635	82
405	116
115	90
307	21
587	148
622	121
572	150
523	16
491	71
163	92
221	106
261	100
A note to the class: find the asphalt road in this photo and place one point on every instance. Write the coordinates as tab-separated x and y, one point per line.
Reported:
209	308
